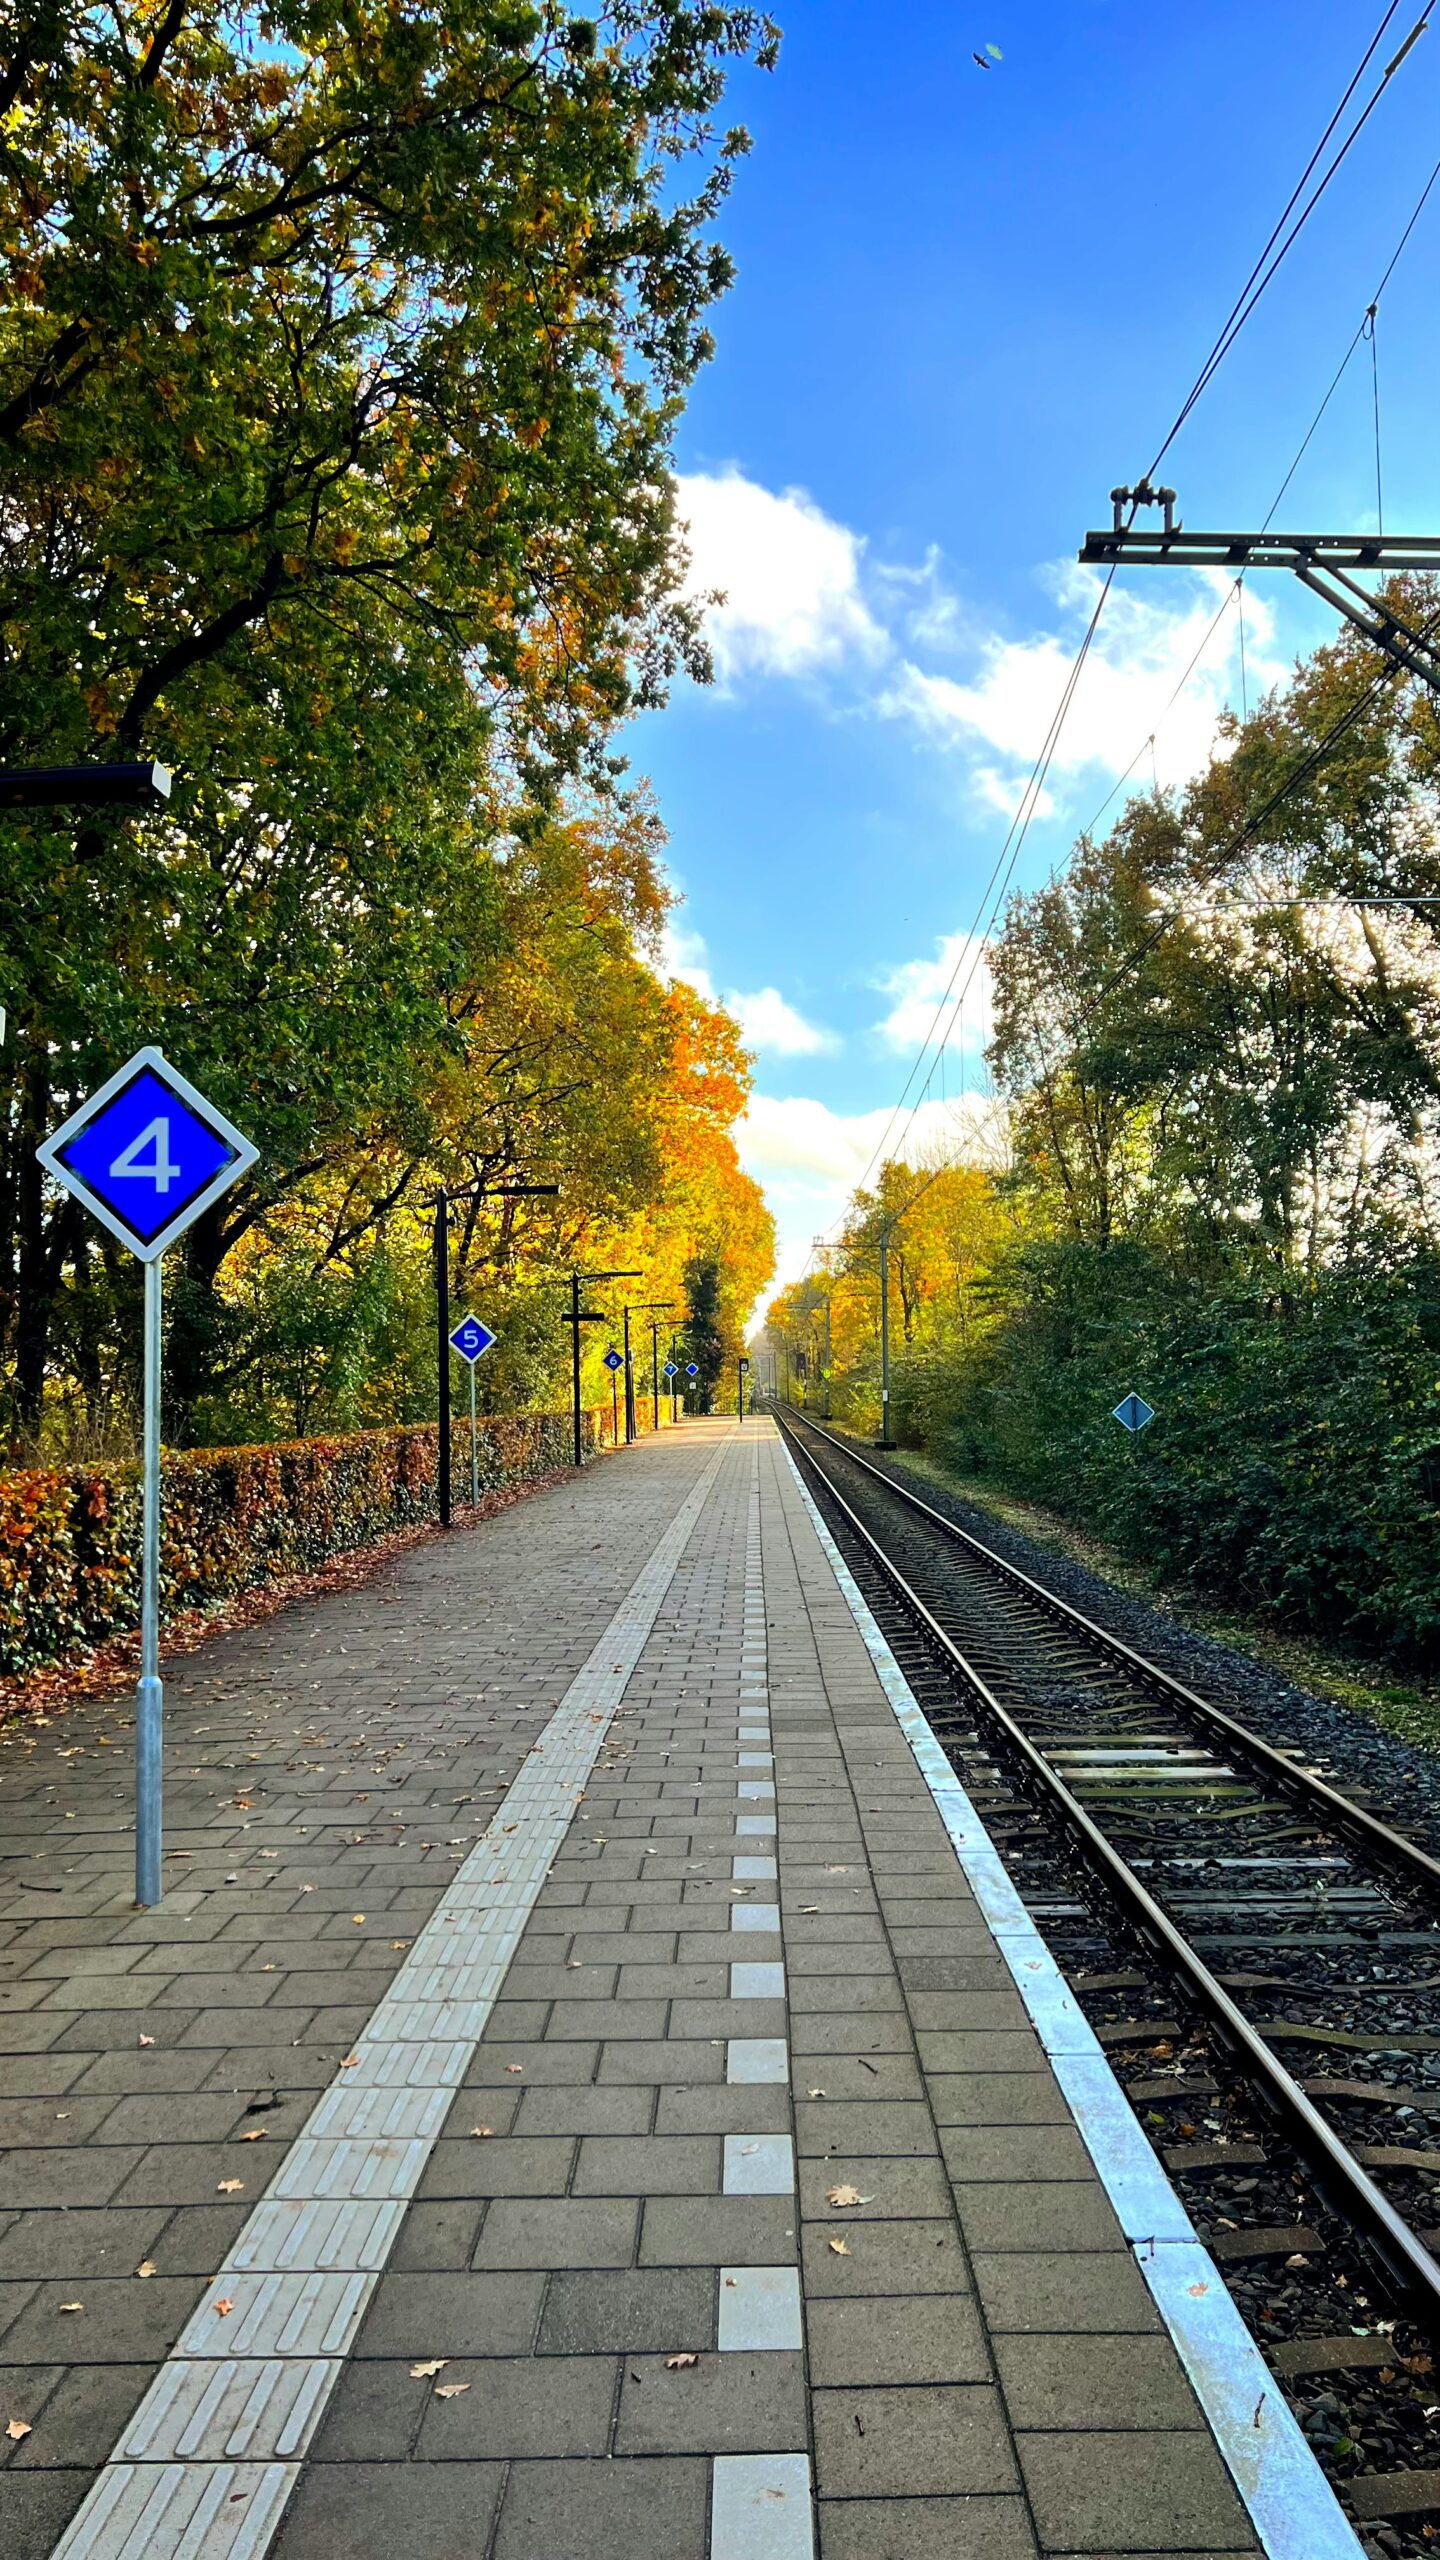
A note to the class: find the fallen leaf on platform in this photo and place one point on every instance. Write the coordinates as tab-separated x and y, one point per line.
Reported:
846	2195
359	1919
420	2372
147	2039
807	1907
350	2061
482	2132
307	1888
677	2364
814	2093
231	2187
146	2267
514	2066
70	2306
450	2390
841	2248
224	2307
18	2428
257	2136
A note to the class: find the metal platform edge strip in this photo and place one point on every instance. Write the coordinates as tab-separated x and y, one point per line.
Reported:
1290	2502
149	2502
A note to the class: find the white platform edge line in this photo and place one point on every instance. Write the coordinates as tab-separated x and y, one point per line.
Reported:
134	2503
1289	2500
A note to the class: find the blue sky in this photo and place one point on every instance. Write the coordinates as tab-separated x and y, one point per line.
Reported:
967	305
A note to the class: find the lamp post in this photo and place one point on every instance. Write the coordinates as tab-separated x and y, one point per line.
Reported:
575	1316
654	1308
441	1204
629	1378
84	786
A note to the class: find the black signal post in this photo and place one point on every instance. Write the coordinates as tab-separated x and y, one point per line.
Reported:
84	786
441	1205
655	1308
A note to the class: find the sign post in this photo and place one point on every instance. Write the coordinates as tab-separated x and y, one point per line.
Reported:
147	1155
614	1362
472	1340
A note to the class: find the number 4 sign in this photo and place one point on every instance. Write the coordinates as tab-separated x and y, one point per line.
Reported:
148	1155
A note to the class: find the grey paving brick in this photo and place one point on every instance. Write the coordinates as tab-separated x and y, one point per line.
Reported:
996	2097
35	2507
122	2322
662	2165
723	2404
898	2338
629	2311
1070	2216
82	2418
646	2063
559	2233
1036	2292
883	2257
1027	2153
639	2510
521	2409
895	2188
381	2511
718	2231
748	2107
825	2127
1131	2493
78	2244
507	2165
452	2315
946	2439
968	2528
1096	2380
565	2110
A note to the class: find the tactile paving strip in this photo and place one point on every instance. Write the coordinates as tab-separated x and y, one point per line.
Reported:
295	2286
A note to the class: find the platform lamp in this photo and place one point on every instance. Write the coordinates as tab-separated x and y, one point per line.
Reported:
576	1315
441	1202
654	1308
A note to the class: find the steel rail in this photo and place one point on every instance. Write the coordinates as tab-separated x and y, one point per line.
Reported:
1415	1864
1409	2264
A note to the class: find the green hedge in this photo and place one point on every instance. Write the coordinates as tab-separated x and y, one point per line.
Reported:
233	1519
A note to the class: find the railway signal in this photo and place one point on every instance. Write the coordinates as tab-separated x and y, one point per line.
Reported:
147	1155
472	1340
1133	1412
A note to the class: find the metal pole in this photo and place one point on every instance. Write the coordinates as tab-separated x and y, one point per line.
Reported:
150	1712
674	1392
827	1355
655	1369
630	1432
575	1362
474	1452
740	1390
442	1332
885	1441
614	1409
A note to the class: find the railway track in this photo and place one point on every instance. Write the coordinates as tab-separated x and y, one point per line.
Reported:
1300	1926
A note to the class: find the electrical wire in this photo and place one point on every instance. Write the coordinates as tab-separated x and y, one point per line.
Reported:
1272	258
1259	278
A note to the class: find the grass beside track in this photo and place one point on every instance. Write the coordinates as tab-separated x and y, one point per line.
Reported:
1409	1709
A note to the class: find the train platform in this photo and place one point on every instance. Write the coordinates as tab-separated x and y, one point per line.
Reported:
589	2093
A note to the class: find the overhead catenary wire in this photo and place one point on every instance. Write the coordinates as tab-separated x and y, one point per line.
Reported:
1261	275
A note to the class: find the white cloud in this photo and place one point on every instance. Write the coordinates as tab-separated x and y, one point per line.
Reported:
956	980
769	1023
804	598
1141	653
789	574
767	1018
808	1158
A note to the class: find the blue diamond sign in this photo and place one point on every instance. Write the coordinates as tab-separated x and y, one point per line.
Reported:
147	1154
1134	1412
471	1339
614	1360
670	1370
692	1368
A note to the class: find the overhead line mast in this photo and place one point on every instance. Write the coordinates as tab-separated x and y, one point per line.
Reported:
1321	561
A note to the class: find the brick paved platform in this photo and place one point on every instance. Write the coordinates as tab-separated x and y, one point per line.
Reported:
570	2105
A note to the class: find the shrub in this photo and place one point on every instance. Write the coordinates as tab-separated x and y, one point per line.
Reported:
232	1519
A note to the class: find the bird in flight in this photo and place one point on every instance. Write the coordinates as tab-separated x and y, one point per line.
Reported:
988	59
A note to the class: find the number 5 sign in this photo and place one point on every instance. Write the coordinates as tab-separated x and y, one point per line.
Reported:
148	1155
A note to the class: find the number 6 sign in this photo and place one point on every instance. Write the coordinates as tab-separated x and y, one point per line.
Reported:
148	1155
